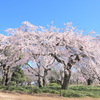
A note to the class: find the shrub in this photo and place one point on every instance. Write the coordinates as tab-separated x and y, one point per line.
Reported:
46	90
71	93
12	83
55	92
3	87
13	88
37	90
53	84
19	88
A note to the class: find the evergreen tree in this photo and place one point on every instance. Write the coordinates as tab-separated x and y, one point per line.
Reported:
18	76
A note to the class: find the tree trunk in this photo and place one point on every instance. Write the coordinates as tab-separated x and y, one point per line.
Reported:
89	82
67	69
67	75
44	82
6	76
39	81
44	77
77	81
39	76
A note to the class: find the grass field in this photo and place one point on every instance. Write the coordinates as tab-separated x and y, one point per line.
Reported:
73	91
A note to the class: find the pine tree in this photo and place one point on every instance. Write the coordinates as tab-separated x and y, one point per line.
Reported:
18	76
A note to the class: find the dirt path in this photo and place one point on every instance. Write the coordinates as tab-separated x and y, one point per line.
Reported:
9	96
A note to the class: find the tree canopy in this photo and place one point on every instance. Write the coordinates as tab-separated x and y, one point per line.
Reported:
47	46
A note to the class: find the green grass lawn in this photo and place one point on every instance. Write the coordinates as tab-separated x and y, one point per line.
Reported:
72	91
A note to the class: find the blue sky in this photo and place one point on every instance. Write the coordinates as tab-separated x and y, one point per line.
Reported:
85	14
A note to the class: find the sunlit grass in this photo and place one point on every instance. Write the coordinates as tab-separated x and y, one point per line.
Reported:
72	91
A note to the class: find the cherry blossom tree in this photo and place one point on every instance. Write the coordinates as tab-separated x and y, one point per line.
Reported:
10	57
77	78
91	74
67	46
42	67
